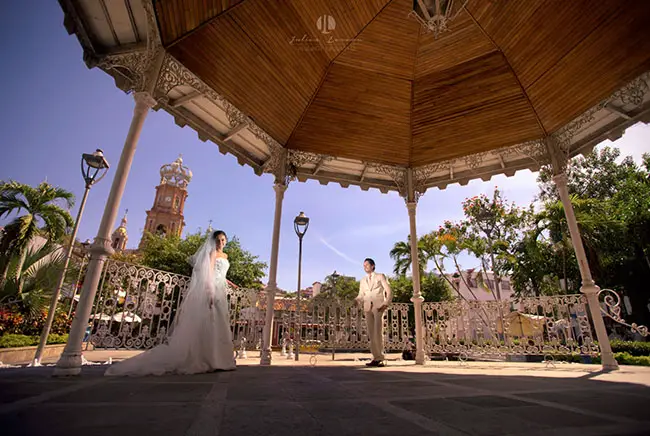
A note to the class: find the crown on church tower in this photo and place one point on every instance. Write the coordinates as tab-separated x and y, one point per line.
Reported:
175	174
122	228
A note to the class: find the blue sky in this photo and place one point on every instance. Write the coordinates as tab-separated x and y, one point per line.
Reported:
54	109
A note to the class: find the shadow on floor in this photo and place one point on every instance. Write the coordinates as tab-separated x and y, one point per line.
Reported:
344	400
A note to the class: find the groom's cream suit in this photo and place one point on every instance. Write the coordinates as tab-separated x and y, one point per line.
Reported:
375	295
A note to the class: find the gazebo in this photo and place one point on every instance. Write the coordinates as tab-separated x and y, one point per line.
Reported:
397	95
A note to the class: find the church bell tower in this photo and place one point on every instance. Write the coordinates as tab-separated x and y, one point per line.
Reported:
166	215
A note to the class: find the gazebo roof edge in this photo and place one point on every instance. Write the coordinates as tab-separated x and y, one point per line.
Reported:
218	120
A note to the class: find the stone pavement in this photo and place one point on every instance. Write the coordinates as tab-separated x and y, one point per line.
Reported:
332	398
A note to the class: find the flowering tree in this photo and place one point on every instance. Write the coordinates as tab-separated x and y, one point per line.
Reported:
447	243
492	230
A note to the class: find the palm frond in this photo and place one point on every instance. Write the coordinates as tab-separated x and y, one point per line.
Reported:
39	258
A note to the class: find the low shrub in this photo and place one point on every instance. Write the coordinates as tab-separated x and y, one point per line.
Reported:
14	340
634	348
14	322
629	359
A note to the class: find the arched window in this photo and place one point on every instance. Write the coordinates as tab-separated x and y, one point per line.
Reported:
161	229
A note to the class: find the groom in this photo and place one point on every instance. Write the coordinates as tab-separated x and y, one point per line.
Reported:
375	295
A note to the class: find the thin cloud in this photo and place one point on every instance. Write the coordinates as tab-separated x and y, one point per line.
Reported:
373	230
337	251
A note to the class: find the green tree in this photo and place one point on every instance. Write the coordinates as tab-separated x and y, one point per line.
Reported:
432	287
245	268
170	253
492	230
595	176
42	215
612	205
345	287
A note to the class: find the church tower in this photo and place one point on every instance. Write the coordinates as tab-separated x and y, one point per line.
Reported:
120	236
166	215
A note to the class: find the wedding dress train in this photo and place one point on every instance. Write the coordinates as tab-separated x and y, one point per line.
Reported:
201	340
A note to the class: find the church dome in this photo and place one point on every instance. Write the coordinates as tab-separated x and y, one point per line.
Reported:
121	230
175	173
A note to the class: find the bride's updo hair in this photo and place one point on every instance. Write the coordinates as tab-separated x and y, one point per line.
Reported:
216	234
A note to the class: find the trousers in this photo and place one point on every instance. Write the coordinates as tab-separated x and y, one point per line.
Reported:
375	324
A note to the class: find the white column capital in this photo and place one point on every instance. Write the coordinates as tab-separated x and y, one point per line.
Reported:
280	188
101	247
143	101
561	179
411	206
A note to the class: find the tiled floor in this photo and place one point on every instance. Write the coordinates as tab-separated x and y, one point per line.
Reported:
340	398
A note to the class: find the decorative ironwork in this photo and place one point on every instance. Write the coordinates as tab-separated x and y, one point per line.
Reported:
299	158
436	15
421	176
135	307
133	66
331	323
397	174
612	309
173	74
535	150
235	116
634	92
473	161
496	329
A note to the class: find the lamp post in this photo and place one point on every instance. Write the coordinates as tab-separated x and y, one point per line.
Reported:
300	224
93	168
335	277
85	245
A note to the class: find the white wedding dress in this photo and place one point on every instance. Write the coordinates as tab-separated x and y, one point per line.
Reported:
201	339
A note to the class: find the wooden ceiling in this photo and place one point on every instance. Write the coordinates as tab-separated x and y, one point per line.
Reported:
375	86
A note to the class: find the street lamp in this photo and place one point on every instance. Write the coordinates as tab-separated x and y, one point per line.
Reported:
335	277
93	168
300	225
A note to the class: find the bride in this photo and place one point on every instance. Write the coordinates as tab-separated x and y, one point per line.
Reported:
201	339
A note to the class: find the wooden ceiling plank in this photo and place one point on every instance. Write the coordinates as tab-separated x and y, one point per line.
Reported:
512	71
613	54
324	76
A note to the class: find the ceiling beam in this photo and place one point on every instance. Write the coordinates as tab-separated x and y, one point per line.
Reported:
180	101
501	161
616	111
424	10
363	172
235	131
318	167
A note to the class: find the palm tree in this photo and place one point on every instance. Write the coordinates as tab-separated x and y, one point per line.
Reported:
41	270
597	228
401	255
40	206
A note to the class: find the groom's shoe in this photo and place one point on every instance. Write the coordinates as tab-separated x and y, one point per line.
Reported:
380	363
373	363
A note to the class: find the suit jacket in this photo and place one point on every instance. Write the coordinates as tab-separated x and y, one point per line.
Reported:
374	292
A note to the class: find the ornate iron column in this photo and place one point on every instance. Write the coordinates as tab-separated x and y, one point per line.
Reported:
411	184
70	361
417	299
559	161
278	166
